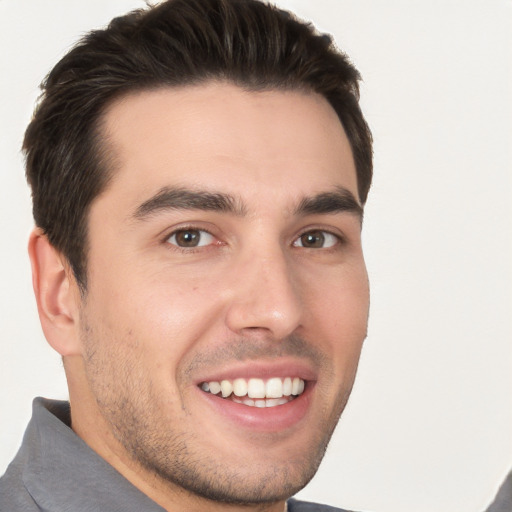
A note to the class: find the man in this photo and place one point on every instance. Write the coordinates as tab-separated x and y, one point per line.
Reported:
199	172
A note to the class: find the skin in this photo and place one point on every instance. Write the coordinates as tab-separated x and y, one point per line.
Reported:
253	297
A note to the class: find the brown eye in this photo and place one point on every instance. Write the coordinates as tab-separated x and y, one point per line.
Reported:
316	239
190	238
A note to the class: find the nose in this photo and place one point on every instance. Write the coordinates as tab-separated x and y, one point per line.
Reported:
265	297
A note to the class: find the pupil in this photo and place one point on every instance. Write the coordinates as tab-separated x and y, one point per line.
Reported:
313	239
187	238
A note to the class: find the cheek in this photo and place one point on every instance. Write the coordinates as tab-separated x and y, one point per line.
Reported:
179	307
159	314
341	298
339	312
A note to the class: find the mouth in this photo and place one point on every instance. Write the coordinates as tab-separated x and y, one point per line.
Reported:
256	392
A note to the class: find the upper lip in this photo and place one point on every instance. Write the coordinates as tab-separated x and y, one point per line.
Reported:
285	367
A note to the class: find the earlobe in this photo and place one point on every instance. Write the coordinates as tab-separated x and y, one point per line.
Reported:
56	294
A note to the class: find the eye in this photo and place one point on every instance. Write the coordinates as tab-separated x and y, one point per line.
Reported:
190	238
316	239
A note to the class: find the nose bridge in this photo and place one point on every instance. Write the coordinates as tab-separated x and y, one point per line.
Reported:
265	294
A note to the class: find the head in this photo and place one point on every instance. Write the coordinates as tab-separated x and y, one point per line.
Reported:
199	172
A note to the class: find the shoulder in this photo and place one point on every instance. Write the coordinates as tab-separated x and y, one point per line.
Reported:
306	506
14	496
14	484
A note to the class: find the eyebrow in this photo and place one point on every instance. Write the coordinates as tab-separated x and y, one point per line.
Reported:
339	201
178	198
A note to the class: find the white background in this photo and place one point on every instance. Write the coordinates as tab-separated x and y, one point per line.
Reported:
429	425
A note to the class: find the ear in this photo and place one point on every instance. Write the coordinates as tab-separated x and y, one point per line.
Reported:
57	294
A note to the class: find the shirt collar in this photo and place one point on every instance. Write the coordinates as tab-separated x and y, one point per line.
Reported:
63	473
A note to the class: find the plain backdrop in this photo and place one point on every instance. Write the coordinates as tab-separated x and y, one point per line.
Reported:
429	424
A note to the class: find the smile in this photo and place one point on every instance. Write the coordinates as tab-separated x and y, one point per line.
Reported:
257	392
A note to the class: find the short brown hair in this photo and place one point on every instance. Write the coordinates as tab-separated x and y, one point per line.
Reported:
179	42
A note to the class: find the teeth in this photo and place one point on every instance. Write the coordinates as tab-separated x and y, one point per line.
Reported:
296	386
256	388
269	402
240	387
226	388
245	401
214	387
287	386
274	388
257	392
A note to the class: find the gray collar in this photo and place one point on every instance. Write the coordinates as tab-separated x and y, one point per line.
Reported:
62	473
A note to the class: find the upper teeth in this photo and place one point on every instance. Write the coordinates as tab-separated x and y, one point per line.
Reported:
256	388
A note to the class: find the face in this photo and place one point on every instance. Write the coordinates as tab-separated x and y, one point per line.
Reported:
227	294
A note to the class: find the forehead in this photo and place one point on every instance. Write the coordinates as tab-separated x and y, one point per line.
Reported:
222	137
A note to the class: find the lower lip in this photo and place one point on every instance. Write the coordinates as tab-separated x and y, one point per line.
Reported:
264	419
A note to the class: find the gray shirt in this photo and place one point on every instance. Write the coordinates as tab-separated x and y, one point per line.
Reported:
55	471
